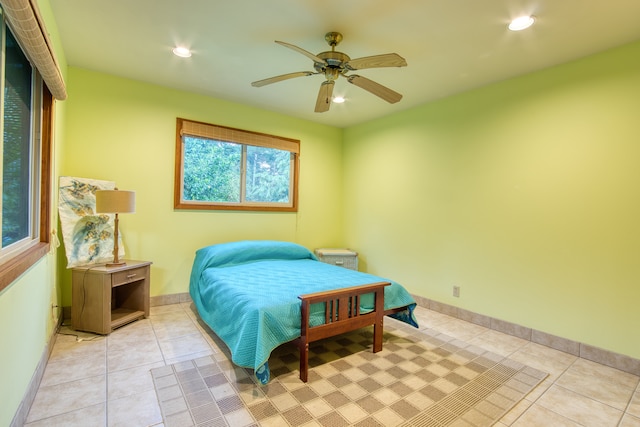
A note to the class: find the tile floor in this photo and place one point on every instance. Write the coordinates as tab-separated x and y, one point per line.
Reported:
105	381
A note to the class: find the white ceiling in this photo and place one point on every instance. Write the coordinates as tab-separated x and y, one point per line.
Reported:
450	45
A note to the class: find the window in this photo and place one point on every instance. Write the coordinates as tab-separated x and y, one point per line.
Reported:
25	123
224	168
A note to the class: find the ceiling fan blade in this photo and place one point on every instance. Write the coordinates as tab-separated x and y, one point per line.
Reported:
282	77
375	88
304	52
376	61
324	96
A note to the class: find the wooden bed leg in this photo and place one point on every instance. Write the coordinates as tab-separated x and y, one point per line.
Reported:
377	336
304	360
303	341
378	325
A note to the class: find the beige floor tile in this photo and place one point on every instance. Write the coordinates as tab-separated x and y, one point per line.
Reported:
140	343
62	398
498	343
214	341
66	370
189	308
67	347
430	319
601	383
133	331
461	330
539	416
130	381
188	356
629	421
187	344
540	389
581	409
130	335
171	324
128	358
174	330
606	373
161	309
95	416
169	316
546	359
516	412
634	405
141	409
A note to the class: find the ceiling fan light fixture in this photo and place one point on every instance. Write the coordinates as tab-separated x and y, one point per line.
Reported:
522	22
182	52
333	64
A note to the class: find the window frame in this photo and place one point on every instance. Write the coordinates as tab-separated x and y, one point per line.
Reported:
244	138
13	265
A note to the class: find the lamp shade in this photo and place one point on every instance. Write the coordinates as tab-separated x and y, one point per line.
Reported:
115	201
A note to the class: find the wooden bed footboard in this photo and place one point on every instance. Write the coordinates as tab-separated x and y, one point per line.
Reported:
341	314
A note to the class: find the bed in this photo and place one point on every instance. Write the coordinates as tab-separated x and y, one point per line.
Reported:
252	294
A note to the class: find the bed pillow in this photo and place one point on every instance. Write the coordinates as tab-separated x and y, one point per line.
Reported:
234	253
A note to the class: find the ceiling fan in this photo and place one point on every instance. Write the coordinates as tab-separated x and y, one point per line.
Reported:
333	64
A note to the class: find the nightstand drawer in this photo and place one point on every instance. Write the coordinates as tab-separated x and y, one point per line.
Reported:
128	276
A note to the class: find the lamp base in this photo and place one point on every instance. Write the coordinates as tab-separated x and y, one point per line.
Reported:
115	264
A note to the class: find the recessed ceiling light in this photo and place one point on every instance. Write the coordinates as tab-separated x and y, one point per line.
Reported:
182	52
522	23
338	99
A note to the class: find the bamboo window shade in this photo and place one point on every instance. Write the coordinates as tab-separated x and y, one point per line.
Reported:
222	133
28	27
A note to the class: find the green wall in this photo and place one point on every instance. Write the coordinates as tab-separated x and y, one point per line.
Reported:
525	193
124	131
27	319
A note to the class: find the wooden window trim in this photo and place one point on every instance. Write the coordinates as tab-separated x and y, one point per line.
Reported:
239	136
13	268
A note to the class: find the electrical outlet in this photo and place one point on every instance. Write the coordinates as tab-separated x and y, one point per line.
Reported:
456	291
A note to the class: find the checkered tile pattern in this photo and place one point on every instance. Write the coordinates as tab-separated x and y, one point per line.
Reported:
416	380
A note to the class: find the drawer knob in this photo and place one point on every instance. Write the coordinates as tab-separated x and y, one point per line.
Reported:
131	276
339	262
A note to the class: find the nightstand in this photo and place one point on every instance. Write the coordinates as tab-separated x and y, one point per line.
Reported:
340	257
105	298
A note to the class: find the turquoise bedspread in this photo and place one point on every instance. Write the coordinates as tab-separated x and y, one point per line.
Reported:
247	292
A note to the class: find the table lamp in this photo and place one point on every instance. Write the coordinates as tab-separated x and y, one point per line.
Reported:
115	202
